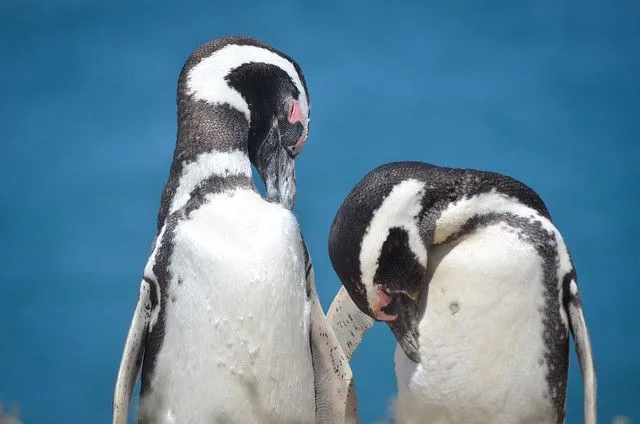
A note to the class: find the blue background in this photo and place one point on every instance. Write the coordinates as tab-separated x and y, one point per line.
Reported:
547	92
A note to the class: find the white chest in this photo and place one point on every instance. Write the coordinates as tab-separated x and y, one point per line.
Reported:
236	342
481	336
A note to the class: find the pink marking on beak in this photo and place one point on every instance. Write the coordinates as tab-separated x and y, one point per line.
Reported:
295	112
383	299
300	143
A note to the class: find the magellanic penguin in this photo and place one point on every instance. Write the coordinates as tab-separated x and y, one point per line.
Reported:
477	286
228	327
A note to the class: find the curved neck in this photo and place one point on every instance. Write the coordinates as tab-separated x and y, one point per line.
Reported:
204	127
212	142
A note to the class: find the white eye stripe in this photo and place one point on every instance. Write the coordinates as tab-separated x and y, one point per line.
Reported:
206	80
399	209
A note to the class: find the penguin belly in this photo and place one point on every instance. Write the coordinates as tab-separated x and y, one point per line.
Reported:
481	336
236	319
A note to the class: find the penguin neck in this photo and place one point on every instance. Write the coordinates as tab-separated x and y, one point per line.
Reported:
210	172
204	127
211	154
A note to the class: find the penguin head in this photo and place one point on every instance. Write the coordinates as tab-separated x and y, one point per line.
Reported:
266	89
377	250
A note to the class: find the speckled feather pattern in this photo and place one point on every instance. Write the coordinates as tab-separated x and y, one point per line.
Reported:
235	306
228	320
499	281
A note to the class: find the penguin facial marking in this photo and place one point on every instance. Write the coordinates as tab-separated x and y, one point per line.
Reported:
399	275
208	79
297	120
392	236
393	261
268	89
384	302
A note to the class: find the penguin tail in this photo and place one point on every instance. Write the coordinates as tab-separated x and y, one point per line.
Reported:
578	327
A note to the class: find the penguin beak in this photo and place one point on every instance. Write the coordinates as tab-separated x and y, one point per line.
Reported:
405	328
400	311
277	169
277	153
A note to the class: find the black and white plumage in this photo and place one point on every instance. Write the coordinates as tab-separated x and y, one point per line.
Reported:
476	284
228	327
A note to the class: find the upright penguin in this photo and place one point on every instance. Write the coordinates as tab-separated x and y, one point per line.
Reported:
228	326
476	284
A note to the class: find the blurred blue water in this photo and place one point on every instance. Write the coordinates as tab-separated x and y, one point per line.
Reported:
548	92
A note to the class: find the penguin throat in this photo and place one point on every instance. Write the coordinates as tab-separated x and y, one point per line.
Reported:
225	165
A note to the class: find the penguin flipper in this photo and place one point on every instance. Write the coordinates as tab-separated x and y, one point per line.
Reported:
349	323
335	392
132	355
578	327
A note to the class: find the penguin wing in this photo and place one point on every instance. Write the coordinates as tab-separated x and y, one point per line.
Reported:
349	323
335	392
132	355
578	327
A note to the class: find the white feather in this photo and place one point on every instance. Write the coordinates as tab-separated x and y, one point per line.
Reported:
585	356
237	314
133	350
457	213
480	337
235	162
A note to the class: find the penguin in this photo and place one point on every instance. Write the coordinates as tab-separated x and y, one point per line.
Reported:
228	327
477	286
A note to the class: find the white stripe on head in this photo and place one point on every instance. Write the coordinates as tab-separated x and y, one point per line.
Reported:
399	209
205	81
